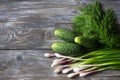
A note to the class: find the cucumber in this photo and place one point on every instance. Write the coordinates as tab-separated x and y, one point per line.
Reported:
88	43
65	48
65	35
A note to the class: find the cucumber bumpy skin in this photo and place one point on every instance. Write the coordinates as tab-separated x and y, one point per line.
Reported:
65	35
65	48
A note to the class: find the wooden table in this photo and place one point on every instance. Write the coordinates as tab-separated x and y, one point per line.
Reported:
26	33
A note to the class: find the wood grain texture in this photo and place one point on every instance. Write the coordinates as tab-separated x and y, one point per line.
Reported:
32	65
29	24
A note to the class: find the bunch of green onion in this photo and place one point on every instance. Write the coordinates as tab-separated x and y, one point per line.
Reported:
96	61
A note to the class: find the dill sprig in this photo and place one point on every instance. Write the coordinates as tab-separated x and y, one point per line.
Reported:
96	23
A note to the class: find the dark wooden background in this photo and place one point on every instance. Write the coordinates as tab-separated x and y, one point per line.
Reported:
26	33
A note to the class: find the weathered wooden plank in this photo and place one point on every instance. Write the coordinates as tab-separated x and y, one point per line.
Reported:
36	15
26	37
29	35
71	2
41	78
32	65
34	78
31	11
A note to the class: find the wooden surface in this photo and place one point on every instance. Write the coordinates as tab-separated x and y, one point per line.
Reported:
26	33
32	65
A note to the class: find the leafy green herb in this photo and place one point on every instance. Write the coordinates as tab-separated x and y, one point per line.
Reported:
95	23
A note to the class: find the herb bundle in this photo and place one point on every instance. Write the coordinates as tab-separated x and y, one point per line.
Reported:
95	23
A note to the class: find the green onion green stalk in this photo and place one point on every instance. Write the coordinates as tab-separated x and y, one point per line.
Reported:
87	64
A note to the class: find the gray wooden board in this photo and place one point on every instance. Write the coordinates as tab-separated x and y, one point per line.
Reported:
29	24
32	65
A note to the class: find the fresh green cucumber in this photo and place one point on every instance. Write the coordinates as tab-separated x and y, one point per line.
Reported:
65	48
88	43
65	35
